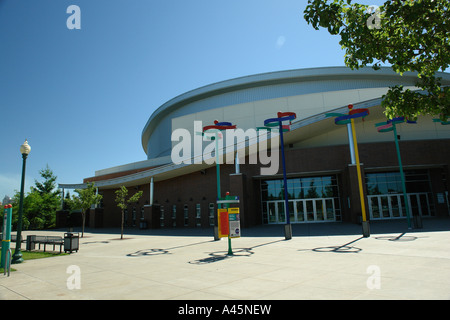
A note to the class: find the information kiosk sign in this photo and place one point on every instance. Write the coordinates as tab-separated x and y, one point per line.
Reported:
234	222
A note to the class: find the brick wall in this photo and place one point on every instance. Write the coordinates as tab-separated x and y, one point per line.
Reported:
200	187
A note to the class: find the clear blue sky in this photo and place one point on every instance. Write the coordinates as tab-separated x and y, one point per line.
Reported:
82	97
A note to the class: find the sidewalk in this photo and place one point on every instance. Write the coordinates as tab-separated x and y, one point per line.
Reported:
321	261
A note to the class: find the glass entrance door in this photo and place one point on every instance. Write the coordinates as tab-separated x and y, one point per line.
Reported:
275	211
419	204
393	206
301	211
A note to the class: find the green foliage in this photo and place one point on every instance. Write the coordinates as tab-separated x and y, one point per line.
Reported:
40	204
410	35
121	197
48	186
122	201
86	199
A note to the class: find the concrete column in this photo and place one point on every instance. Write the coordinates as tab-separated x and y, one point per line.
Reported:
152	186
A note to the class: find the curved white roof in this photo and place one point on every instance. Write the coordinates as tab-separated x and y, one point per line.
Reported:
330	83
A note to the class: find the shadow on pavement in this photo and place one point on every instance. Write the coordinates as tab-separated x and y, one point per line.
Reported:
345	248
298	230
237	252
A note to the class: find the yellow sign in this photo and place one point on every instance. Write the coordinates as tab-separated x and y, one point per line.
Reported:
233	210
234	220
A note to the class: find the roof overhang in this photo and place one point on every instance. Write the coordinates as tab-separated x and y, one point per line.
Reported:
271	78
300	130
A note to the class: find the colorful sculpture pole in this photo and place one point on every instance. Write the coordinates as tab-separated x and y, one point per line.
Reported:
6	239
345	119
283	116
390	125
444	123
217	127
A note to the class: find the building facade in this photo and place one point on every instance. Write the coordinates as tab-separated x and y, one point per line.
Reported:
322	178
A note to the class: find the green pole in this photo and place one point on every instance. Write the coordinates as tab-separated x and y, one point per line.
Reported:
402	175
216	223
230	250
217	165
17	256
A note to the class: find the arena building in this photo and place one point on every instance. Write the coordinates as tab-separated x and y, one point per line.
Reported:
321	171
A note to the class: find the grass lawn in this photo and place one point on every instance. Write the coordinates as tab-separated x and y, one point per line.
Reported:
30	255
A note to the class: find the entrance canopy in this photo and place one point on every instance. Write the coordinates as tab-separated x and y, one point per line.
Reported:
72	187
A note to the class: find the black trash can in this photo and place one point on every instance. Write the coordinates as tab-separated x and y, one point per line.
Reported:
71	242
31	242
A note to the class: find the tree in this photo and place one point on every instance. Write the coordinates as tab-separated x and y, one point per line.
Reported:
410	35
48	185
67	201
40	204
121	200
86	199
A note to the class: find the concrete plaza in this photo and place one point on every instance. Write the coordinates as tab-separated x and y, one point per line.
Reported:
321	261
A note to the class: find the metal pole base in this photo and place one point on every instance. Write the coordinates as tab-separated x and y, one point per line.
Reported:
288	231
366	229
17	257
216	233
230	251
417	222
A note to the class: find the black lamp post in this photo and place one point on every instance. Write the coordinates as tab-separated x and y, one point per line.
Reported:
17	256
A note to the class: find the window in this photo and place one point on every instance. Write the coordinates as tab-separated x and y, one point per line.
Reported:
211	214
198	215
385	194
174	215
300	188
133	216
309	198
186	215
161	217
416	181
